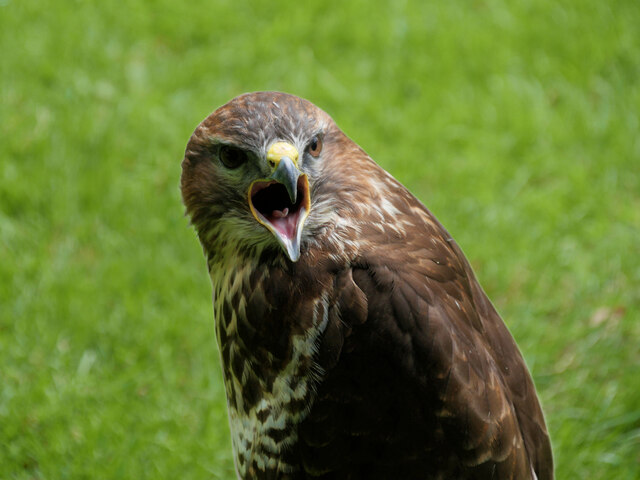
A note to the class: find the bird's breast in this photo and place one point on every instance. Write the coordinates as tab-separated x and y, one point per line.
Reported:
268	364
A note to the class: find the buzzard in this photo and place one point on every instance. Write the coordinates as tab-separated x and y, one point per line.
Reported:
355	340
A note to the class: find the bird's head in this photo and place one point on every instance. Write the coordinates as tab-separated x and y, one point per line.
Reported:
249	172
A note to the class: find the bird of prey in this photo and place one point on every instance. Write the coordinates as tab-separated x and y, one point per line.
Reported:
355	340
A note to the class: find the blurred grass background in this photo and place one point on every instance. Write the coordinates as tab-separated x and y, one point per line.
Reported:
516	122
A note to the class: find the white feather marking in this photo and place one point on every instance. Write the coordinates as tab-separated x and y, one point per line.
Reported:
250	435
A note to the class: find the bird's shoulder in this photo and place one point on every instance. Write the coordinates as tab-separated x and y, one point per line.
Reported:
408	320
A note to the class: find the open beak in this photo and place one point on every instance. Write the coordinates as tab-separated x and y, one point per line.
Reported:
281	202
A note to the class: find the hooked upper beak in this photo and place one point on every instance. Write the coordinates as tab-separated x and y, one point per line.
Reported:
287	174
282	202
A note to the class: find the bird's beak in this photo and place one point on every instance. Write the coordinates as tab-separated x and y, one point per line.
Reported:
282	202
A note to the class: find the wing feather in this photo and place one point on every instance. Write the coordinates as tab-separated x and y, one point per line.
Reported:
421	342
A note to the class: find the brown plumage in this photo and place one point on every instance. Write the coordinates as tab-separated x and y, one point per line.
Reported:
355	340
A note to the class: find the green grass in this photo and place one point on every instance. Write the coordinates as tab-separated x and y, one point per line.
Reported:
516	122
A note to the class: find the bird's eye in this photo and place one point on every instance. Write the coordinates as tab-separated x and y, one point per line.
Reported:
232	157
315	146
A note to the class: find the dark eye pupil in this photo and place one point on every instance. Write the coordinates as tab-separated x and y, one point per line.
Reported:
232	157
315	146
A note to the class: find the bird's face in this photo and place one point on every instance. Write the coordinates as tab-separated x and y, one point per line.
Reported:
248	172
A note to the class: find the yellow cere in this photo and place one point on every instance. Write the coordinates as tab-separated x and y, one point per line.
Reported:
279	150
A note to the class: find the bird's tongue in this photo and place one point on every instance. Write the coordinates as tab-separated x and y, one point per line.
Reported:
284	222
280	213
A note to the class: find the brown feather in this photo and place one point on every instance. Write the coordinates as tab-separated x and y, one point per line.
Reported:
377	354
